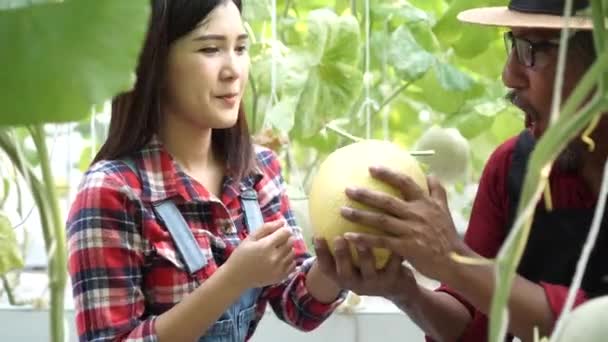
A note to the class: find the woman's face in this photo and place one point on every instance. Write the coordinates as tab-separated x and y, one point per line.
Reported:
207	71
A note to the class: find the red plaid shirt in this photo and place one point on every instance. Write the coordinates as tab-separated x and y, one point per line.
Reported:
123	264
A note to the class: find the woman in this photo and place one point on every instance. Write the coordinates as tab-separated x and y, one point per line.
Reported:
180	138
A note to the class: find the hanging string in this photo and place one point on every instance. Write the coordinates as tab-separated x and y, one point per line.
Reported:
367	77
273	99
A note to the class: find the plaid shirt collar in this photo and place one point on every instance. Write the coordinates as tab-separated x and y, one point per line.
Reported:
162	178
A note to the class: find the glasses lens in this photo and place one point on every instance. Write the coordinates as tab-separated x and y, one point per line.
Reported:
508	39
524	52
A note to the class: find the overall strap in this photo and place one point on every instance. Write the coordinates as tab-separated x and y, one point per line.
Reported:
517	171
178	228
251	209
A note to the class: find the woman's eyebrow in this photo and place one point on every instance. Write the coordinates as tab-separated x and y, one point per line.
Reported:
207	37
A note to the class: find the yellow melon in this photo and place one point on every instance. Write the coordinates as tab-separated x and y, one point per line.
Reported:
349	166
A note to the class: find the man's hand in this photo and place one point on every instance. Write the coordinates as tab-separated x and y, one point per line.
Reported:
392	282
419	227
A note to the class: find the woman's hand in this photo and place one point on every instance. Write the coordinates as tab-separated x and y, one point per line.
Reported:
419	226
265	257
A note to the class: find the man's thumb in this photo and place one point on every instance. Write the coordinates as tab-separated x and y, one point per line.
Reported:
437	191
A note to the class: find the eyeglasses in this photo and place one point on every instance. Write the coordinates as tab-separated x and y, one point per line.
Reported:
525	50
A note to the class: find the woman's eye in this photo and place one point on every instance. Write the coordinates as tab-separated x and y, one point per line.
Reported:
209	50
241	49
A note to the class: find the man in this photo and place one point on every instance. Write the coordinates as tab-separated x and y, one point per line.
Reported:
420	229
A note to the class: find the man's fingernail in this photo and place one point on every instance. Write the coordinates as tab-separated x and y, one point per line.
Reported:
346	211
350	236
339	244
360	247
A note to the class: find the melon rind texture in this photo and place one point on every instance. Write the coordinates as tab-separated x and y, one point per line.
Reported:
349	166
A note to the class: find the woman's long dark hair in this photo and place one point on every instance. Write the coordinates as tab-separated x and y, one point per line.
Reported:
137	114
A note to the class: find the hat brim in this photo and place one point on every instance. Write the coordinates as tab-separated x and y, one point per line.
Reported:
502	16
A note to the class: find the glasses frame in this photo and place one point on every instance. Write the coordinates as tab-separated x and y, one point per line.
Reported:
526	50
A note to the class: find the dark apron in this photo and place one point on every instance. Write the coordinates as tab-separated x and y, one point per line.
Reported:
557	237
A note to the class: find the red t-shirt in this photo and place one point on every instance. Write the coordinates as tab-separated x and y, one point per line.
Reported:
486	231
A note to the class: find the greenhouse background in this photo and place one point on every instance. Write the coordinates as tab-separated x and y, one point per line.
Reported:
322	71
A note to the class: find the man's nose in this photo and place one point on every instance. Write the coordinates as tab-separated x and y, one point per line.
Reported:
514	73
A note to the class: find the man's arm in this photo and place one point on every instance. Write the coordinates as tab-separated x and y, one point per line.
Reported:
438	314
528	303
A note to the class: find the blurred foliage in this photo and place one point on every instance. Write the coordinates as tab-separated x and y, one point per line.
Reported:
426	69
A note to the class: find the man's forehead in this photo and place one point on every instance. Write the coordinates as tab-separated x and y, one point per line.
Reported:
535	33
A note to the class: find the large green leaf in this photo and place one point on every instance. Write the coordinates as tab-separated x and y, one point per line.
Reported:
449	29
403	11
333	81
257	10
451	78
61	59
282	115
12	4
10	257
408	58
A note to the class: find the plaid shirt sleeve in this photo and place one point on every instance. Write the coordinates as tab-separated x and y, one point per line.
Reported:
290	299
106	254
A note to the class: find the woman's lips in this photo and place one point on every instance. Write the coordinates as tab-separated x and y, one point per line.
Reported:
229	100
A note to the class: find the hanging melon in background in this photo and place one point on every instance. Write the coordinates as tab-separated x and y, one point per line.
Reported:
588	322
452	153
349	166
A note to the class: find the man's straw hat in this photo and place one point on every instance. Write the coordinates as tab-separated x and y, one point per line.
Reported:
529	13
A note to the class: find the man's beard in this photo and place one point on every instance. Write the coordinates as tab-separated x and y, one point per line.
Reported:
570	159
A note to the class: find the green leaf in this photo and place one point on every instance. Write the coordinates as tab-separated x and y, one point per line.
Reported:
403	11
86	156
507	124
430	6
449	29
61	59
472	124
282	115
12	4
451	78
332	37
257	10
407	57
333	80
10	256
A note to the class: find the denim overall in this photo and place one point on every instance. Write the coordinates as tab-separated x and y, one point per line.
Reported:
233	324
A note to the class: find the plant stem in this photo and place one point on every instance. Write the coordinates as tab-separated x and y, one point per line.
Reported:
287	7
9	291
58	255
254	93
36	187
392	96
599	35
561	64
